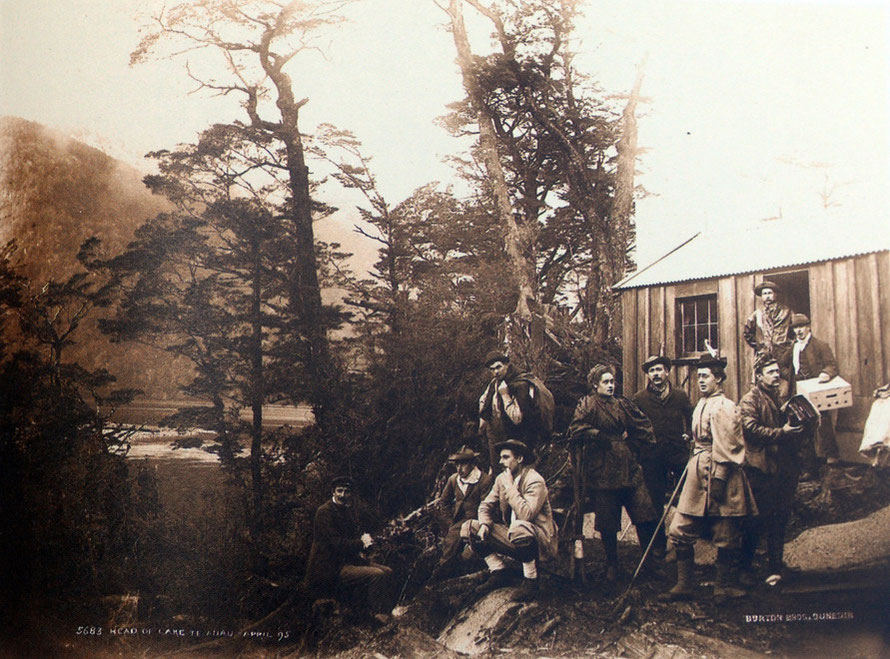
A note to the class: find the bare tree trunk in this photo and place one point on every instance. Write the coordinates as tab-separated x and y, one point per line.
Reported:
517	240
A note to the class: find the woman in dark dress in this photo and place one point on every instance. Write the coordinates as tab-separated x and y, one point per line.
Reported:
614	434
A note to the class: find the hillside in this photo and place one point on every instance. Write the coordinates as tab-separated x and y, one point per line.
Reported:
56	192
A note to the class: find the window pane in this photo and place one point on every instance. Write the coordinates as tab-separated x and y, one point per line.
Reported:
697	322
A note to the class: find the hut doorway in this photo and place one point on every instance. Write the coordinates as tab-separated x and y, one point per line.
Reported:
795	289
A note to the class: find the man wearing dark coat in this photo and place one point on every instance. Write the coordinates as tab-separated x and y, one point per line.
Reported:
813	358
768	329
463	492
772	466
614	434
506	408
336	560
670	412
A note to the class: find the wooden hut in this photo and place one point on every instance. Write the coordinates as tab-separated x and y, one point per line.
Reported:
704	289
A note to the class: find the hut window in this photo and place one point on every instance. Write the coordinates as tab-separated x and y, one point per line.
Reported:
697	321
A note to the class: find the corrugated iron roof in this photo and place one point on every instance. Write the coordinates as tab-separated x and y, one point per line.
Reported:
765	246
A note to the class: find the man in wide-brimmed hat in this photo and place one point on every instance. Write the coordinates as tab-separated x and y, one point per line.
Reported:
462	494
670	411
716	496
772	465
768	329
336	560
813	358
507	407
528	533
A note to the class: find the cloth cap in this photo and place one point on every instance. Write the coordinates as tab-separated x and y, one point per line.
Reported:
518	447
799	320
652	360
763	360
766	284
496	356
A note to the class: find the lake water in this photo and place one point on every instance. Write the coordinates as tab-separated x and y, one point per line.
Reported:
156	443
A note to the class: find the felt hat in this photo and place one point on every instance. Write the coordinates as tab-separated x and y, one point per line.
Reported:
518	447
799	320
766	283
464	454
652	360
341	481
496	356
707	361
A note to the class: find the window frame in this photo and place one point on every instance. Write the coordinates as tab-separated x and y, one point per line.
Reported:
711	324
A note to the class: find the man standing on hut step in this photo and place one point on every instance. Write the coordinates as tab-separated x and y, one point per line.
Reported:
716	496
336	560
507	408
768	329
813	358
519	497
670	412
772	465
462	494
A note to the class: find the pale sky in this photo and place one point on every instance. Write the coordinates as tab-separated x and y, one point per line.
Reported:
754	108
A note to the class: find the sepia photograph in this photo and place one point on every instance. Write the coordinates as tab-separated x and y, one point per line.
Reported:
444	328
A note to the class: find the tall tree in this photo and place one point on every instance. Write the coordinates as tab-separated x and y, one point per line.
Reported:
211	282
256	40
546	143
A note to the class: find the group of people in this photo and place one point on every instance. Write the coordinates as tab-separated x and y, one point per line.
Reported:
730	469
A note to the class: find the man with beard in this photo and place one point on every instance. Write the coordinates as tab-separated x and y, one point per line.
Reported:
527	532
337	564
670	412
813	358
507	407
462	494
768	329
614	433
772	465
716	496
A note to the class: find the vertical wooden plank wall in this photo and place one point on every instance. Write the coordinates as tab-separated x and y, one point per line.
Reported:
629	340
823	317
745	304
728	333
883	295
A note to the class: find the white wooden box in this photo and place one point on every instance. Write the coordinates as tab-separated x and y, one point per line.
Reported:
831	395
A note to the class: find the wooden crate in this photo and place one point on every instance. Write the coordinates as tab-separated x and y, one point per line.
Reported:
831	395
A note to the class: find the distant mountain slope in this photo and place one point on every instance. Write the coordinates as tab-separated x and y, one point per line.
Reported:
56	192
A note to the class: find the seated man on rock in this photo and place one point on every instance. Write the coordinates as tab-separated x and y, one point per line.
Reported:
528	532
337	564
462	494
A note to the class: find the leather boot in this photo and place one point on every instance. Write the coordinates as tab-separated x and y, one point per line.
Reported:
726	586
685	588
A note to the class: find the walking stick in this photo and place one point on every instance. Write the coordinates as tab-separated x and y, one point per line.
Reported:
577	560
658	526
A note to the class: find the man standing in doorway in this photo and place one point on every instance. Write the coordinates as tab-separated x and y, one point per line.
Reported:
768	329
670	412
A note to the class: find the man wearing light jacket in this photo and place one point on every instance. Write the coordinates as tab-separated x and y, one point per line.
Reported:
527	533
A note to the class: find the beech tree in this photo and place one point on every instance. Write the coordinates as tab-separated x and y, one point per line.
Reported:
255	41
547	144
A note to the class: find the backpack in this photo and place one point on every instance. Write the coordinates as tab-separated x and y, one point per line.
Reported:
543	401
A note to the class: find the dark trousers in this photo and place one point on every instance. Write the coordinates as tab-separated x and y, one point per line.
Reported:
774	494
451	544
661	477
826	441
373	581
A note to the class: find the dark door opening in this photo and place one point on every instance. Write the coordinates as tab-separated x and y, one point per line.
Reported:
795	289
